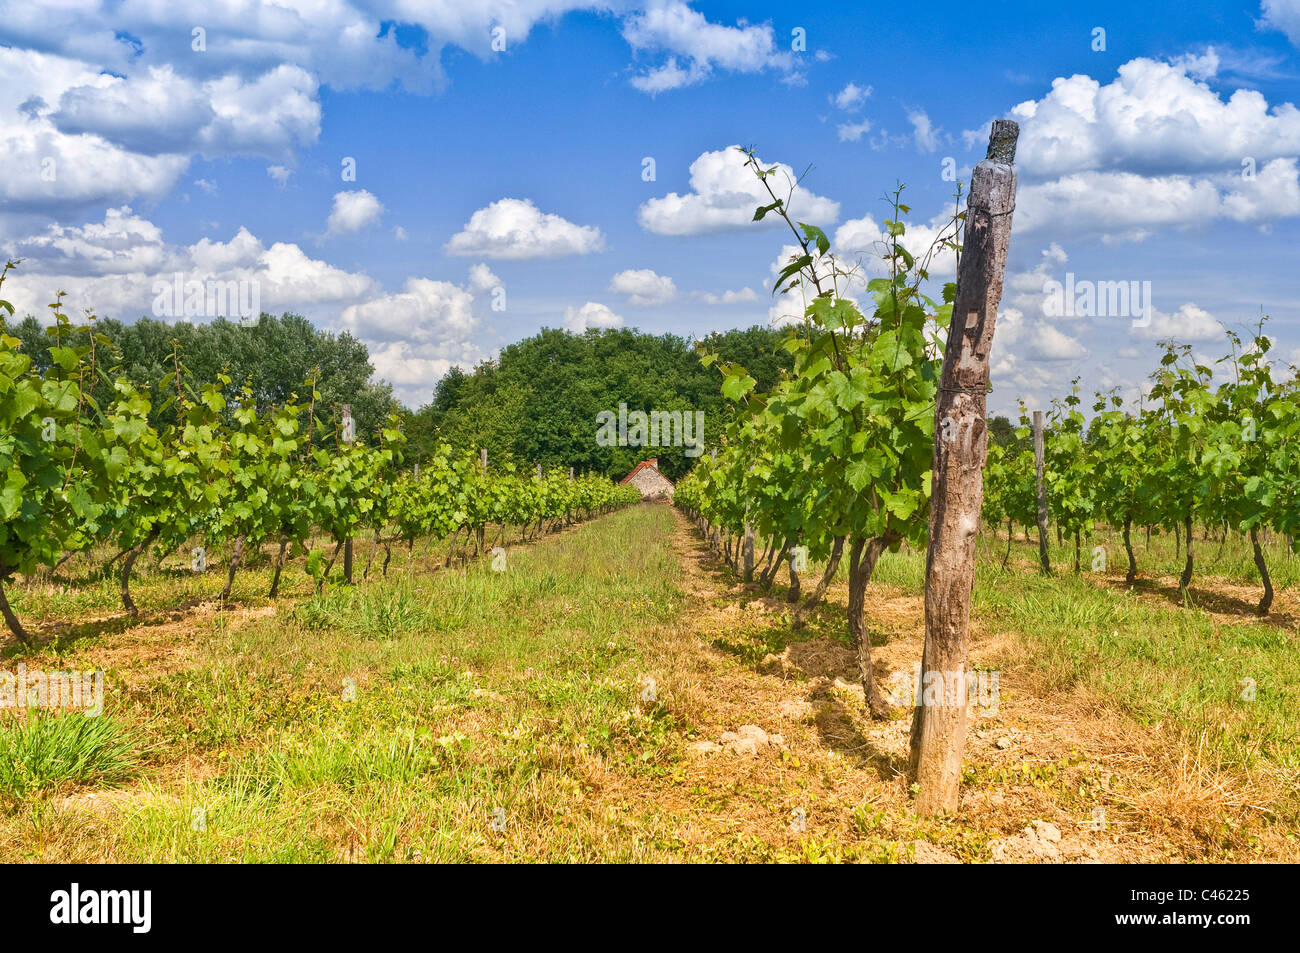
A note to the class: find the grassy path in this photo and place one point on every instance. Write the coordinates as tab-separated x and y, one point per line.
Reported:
571	709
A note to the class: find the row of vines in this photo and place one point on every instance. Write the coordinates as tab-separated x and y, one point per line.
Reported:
836	461
84	467
1221	452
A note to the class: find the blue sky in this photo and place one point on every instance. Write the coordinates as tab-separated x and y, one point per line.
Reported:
515	176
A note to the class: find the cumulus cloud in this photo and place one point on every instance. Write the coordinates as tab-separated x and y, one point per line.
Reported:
482	279
863	240
1121	206
1049	343
424	312
279	174
1188	324
112	266
923	131
723	196
1153	119
51	173
353	210
643	287
1282	15
696	47
744	295
852	131
162	112
1155	148
416	335
115	266
516	229
851	97
590	315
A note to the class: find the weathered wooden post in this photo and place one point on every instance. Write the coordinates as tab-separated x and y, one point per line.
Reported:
960	447
1040	454
349	434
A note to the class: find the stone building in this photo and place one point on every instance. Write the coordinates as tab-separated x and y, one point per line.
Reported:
645	476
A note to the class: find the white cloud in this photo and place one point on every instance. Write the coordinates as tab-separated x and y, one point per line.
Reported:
698	47
425	312
862	239
280	174
1154	148
1153	119
111	266
418	334
163	112
52	174
1189	323
745	294
590	315
923	132
1273	193
1121	206
1282	15
851	97
724	194
1050	343
209	187
482	279
516	229
852	131
643	286
353	210
399	234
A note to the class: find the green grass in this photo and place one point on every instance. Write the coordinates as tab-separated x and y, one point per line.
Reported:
1164	664
393	720
48	753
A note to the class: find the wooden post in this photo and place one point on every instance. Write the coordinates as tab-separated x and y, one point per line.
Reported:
960	448
570	474
1040	455
482	458
348	435
539	473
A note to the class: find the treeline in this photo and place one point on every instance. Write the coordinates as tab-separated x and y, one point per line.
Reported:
539	401
273	357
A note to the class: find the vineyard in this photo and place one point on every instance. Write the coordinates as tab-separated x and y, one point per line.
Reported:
864	631
85	469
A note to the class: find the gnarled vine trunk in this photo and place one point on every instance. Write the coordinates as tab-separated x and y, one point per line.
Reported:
862	563
819	592
279	567
11	620
1131	577
1266	602
1185	579
128	563
235	555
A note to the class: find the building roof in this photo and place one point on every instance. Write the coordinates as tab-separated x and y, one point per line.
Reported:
652	464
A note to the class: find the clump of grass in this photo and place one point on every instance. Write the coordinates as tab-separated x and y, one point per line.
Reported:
43	753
